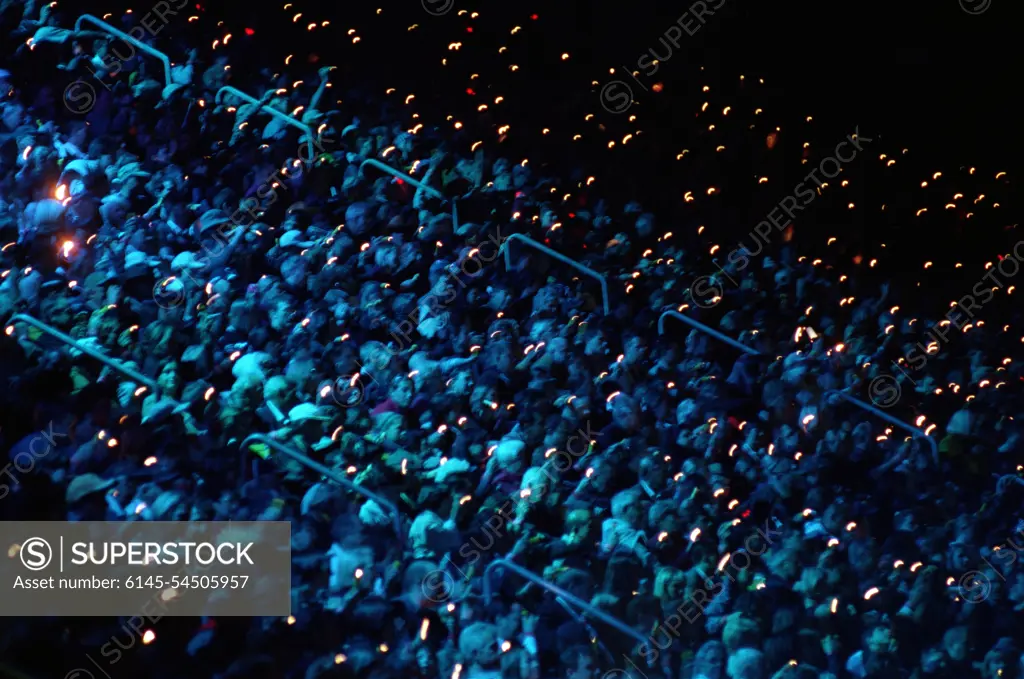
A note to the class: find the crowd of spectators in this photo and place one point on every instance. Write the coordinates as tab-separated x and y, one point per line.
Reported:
724	505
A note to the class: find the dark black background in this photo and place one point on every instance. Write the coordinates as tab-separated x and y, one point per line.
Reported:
940	80
927	72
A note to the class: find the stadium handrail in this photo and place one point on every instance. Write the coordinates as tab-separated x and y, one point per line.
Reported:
558	592
914	431
151	51
404	177
113	363
697	325
418	184
332	475
506	248
274	112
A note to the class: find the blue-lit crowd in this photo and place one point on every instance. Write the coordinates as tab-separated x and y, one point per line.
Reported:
253	277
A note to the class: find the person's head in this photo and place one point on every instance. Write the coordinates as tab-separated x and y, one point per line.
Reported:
789	439
746	663
959	555
645	225
402	391
740	630
301	369
78	135
277	391
162	155
999	660
624	412
578	524
387	426
291	221
294	272
1017	589
365	146
932	659
955	641
595	344
710	661
240	315
130	184
669	583
636	349
578	662
863	557
502	175
478	644
461	384
558	350
357	218
417	580
626	506
521	175
408	254
168	380
57	311
545	300
386	257
375	356
601	479
13	114
501	166
664	518
880	640
534	486
498	357
652	472
281	315
687	412
211	324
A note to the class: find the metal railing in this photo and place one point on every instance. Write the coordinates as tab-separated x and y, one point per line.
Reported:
506	247
914	431
418	184
103	25
330	474
274	112
697	325
404	177
120	367
559	592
